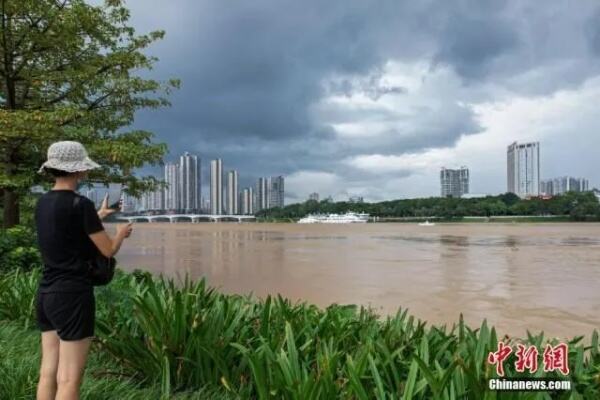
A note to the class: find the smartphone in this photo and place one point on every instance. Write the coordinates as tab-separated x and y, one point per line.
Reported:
115	195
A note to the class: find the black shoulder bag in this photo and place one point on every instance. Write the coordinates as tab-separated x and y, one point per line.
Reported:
101	269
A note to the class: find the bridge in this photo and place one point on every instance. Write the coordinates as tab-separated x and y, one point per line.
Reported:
194	218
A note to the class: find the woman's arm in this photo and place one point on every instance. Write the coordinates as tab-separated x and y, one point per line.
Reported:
105	210
110	246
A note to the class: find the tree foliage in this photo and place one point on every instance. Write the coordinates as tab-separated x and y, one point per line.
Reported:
578	206
71	71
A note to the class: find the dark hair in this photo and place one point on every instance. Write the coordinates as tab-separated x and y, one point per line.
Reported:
57	173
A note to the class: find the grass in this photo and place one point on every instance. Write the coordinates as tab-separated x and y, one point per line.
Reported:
19	366
159	339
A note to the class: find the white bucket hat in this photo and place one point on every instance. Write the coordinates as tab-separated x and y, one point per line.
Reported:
68	156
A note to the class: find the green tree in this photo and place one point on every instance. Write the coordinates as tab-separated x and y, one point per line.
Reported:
71	71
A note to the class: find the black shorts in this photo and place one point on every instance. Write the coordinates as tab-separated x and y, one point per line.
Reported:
70	314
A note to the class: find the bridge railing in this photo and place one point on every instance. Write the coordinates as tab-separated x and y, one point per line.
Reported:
191	217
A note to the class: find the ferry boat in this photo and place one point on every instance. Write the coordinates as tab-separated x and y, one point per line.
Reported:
427	223
348	218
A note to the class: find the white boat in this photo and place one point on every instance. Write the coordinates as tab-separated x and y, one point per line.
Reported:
309	219
426	223
348	218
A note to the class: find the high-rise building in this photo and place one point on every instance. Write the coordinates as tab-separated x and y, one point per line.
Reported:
523	169
262	194
216	187
584	185
189	183
232	193
153	201
172	190
547	187
313	196
564	184
454	182
276	192
205	205
93	195
247	201
130	204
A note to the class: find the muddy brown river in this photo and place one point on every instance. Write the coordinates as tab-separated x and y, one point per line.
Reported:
517	276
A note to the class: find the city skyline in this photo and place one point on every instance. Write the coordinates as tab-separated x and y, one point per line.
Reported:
522	176
182	192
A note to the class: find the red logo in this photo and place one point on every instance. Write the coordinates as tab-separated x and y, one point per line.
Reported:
555	358
499	356
527	358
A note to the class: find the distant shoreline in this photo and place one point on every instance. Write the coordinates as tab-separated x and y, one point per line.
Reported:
474	219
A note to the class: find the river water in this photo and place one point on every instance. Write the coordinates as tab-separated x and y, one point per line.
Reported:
517	276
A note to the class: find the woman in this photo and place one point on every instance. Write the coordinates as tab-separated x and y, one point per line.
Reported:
70	232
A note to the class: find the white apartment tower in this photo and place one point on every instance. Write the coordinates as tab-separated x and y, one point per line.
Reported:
216	187
189	183
232	193
262	194
153	201
247	201
523	169
454	182
172	188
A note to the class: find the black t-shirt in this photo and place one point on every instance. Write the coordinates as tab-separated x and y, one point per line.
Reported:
63	226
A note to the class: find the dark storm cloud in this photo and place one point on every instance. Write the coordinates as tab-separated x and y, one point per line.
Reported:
470	45
252	71
592	30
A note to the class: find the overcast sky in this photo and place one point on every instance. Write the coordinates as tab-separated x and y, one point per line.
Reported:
372	98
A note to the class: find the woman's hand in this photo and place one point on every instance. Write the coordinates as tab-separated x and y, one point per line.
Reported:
107	246
105	211
124	230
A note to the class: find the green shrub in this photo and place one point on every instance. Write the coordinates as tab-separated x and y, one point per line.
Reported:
17	300
18	249
182	337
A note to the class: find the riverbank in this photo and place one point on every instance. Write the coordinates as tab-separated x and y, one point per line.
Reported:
156	338
466	219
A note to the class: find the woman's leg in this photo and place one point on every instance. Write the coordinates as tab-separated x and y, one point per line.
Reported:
46	389
71	364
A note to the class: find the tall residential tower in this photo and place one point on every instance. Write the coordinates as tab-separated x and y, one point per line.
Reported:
247	201
262	194
172	189
216	187
523	169
232	193
189	183
454	182
276	191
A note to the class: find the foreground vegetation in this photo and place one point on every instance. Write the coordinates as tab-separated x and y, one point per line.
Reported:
158	339
575	206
